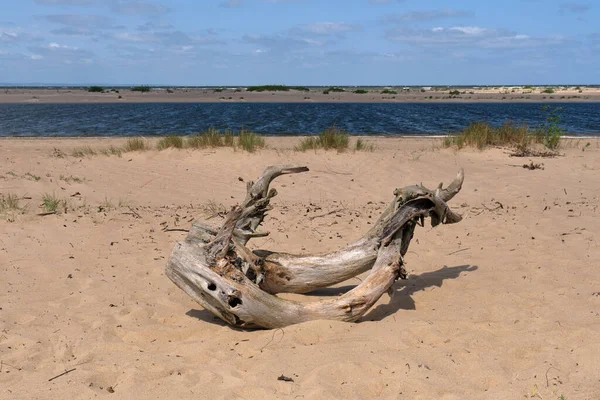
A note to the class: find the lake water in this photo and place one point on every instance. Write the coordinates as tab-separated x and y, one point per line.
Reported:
152	119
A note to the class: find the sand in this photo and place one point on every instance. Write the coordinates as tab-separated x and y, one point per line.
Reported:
504	305
314	96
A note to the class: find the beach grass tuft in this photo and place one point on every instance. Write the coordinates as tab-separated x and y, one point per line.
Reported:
136	144
250	141
332	138
245	140
362	145
52	204
84	151
112	151
9	202
173	141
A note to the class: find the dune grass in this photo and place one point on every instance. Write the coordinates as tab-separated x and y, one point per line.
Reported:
84	151
9	202
361	145
388	91
246	140
331	139
172	141
136	144
250	141
482	135
112	151
52	203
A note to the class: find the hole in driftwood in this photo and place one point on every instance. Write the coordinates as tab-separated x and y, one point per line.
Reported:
234	302
212	286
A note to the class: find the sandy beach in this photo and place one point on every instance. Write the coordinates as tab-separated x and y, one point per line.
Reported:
504	305
488	95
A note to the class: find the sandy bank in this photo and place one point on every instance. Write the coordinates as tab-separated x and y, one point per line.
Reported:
199	96
504	304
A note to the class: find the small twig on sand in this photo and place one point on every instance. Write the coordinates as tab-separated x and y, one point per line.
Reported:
176	230
324	215
47	213
2	363
135	213
458	251
273	337
59	375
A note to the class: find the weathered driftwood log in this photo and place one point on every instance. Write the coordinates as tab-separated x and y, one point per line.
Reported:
215	267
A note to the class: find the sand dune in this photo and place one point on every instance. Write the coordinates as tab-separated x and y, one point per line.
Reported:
504	305
33	96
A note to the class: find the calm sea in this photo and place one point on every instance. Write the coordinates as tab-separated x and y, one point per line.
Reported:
280	118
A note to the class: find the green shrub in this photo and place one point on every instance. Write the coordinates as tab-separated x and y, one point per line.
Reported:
549	91
170	141
454	93
388	91
136	144
336	89
142	88
551	132
95	89
361	91
276	88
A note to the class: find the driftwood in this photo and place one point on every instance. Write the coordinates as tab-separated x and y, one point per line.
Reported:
214	266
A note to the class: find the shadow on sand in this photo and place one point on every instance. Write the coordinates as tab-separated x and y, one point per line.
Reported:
403	290
401	298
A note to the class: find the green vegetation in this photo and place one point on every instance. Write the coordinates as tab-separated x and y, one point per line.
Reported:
482	135
528	87
83	152
95	89
173	141
454	93
51	203
112	151
360	91
245	140
276	88
388	91
218	90
332	138
335	89
136	144
551	132
361	145
142	89
9	202
31	177
70	179
548	90
250	141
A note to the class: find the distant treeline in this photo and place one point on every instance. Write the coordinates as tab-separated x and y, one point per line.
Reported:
276	88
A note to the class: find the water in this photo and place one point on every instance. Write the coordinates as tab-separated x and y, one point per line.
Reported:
280	118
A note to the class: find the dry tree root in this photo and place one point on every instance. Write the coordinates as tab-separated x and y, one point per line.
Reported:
236	284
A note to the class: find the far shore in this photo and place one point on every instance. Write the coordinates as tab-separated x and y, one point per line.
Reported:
179	95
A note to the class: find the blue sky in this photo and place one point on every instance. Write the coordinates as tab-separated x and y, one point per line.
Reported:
299	42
